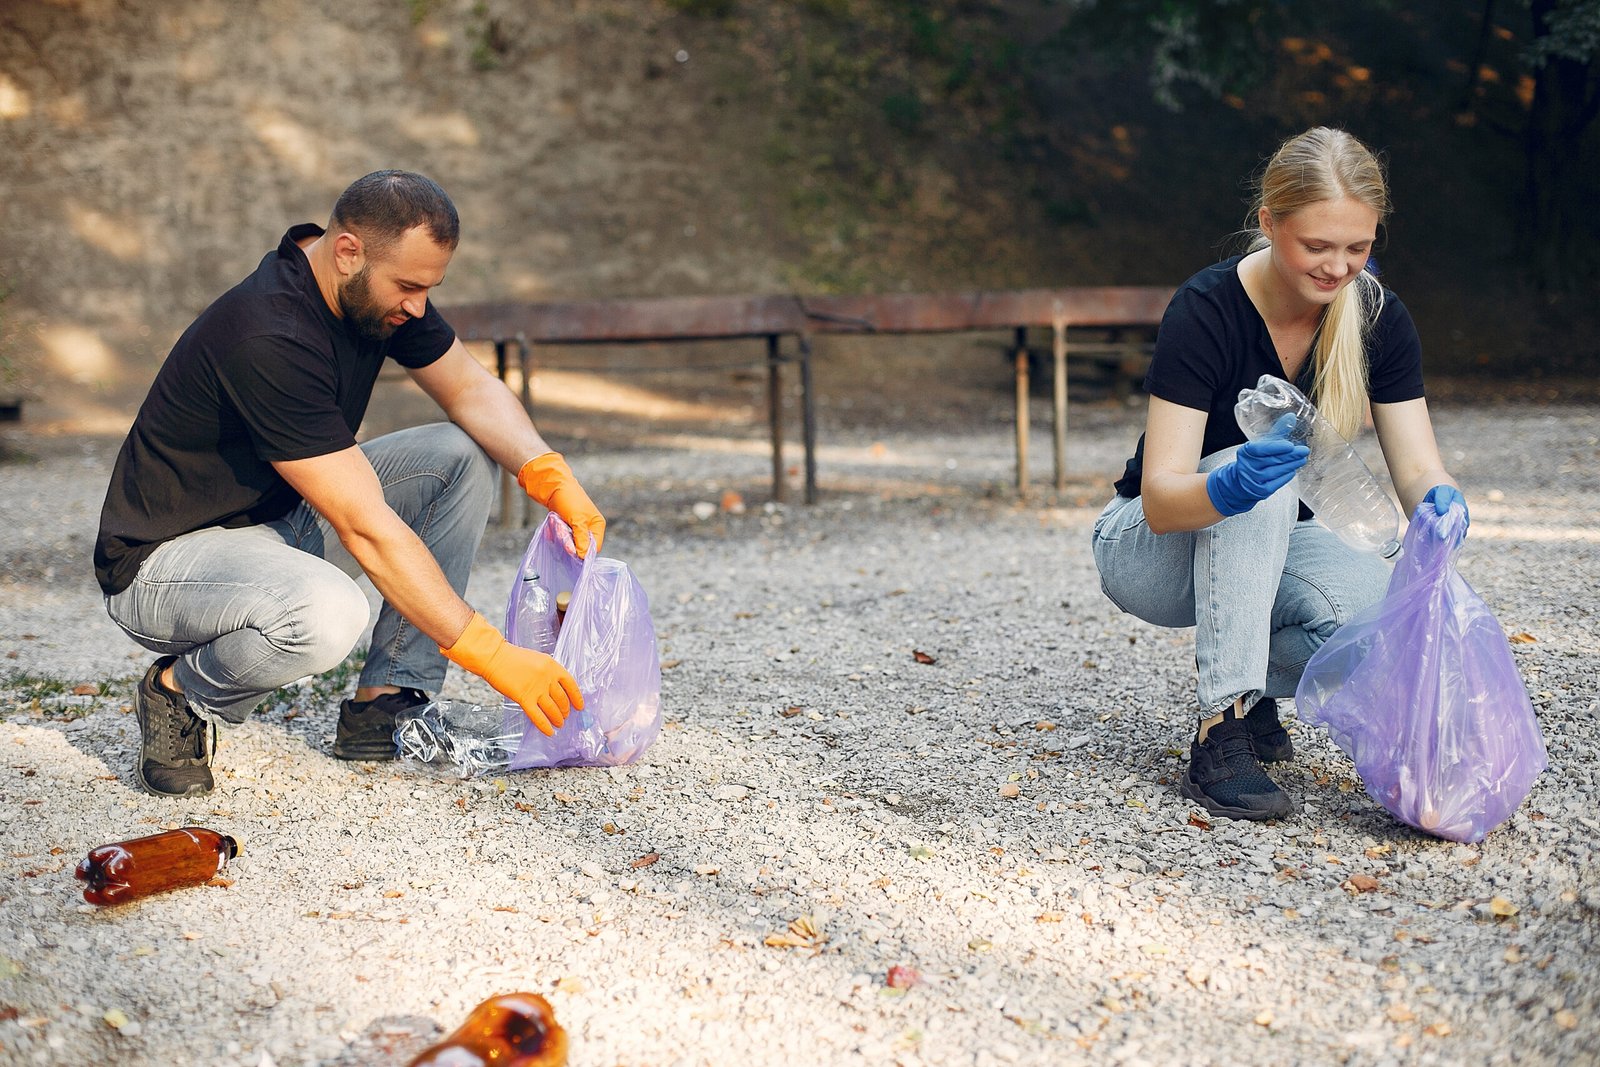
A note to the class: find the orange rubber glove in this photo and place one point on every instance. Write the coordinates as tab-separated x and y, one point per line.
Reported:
551	484
540	685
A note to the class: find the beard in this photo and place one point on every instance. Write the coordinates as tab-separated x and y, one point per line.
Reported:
361	311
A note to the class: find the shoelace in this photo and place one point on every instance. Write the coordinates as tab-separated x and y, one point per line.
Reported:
195	725
1232	745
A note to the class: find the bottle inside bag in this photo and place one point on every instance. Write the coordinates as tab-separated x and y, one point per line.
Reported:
1335	482
535	620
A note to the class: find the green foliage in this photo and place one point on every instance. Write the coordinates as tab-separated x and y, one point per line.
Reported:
1570	30
418	10
489	42
715	9
884	101
1220	46
53	698
904	112
11	371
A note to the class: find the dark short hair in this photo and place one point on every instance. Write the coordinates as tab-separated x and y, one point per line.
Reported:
383	205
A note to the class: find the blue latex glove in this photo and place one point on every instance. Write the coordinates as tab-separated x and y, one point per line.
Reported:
1442	496
1259	469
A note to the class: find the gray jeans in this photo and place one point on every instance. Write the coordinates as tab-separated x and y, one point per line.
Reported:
1262	590
250	609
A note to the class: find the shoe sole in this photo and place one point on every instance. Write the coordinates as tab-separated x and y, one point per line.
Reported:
1251	814
198	789
366	753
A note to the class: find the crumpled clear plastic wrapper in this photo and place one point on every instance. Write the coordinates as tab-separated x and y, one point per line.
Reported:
1422	691
455	739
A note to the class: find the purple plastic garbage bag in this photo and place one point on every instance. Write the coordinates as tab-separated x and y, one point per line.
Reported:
608	643
1422	692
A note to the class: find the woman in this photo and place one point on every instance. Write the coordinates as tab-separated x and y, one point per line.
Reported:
1206	529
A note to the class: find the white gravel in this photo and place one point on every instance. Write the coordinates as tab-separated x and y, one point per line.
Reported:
1001	819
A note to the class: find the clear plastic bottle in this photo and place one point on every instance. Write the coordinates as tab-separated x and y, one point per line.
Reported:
535	622
510	1030
455	739
1335	482
128	870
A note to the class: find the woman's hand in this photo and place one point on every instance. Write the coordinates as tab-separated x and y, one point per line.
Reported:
1442	496
1259	469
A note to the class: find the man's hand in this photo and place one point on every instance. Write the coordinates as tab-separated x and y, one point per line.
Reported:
540	685
551	483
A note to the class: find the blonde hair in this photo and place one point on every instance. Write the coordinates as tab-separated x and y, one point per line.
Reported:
1319	165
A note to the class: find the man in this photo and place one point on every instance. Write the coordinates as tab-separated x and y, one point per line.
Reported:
241	508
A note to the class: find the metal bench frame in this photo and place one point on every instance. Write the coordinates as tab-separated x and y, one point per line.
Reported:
514	328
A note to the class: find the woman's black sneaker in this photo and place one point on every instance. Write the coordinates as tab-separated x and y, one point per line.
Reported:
1224	776
1267	736
366	727
175	745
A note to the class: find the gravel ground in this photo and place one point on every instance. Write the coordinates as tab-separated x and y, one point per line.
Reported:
1002	820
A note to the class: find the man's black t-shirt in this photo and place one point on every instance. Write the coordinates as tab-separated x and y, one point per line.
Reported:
1213	343
266	373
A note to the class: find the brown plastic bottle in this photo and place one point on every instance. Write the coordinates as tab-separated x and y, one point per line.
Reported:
129	870
510	1030
563	601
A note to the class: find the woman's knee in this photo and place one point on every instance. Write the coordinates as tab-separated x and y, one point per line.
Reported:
1320	604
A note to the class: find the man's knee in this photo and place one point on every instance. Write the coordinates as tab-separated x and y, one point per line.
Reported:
331	620
454	449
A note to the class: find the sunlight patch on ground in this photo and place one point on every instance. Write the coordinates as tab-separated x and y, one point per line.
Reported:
288	140
78	353
114	237
601	393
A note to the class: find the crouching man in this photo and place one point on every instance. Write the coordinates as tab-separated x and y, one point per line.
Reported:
241	508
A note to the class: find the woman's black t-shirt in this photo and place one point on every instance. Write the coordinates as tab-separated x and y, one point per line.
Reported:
1213	343
266	373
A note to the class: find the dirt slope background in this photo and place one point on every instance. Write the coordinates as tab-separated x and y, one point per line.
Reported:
150	153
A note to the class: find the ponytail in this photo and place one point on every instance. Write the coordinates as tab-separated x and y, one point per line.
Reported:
1319	165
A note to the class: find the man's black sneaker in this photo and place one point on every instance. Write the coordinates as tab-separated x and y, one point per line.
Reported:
1267	736
366	727
175	744
1225	777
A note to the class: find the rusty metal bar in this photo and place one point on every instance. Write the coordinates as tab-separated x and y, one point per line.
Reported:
525	369
620	321
954	312
808	419
775	415
1058	337
501	366
1021	357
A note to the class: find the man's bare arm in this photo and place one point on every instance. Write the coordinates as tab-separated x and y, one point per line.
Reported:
344	489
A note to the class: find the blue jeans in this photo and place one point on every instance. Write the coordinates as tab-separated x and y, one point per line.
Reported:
1262	589
250	609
